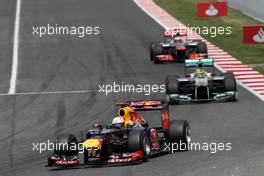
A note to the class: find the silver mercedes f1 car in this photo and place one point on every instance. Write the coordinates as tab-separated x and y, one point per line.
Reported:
201	85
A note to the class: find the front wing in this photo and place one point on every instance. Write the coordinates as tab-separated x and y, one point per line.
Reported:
114	159
188	97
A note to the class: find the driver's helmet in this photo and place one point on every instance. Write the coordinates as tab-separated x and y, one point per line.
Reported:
177	39
199	69
118	122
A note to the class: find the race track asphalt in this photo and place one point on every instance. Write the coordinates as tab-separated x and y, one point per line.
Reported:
253	9
7	9
119	53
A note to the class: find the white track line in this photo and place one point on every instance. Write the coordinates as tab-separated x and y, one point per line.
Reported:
228	62
50	92
12	88
221	56
251	76
238	69
255	84
246	73
149	14
249	81
233	65
225	59
215	50
259	89
217	53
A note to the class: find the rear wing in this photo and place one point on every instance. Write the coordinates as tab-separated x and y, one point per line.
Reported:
150	105
173	32
207	62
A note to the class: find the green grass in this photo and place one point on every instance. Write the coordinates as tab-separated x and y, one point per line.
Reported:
260	69
185	11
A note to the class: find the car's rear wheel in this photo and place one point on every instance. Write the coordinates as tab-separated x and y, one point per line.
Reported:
152	50
157	50
172	85
139	141
180	132
202	48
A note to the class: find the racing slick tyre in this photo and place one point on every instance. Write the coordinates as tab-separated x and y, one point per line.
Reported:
151	50
172	87
139	140
202	48
65	143
230	83
179	132
157	50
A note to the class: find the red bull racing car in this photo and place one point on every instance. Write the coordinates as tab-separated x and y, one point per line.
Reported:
177	47
130	142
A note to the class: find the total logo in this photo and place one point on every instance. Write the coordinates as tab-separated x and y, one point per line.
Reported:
212	9
253	34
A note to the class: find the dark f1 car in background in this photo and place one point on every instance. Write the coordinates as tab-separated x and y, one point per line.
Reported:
107	144
177	47
201	85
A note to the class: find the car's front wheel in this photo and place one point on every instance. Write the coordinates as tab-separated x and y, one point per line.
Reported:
66	145
230	84
138	140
